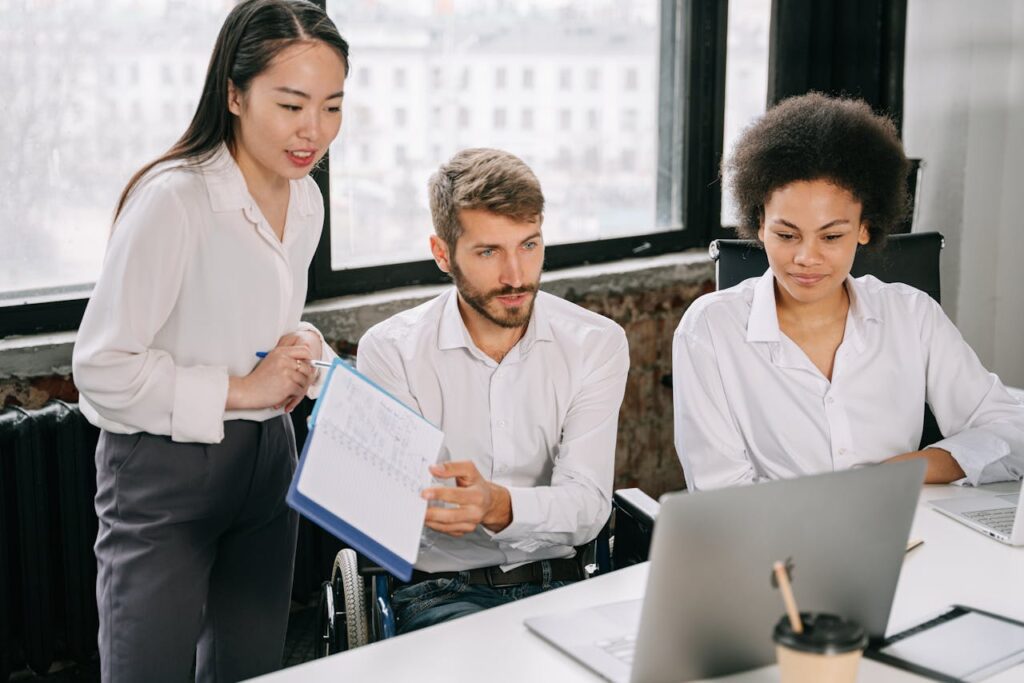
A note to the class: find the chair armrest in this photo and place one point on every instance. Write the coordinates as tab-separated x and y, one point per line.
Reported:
635	514
637	504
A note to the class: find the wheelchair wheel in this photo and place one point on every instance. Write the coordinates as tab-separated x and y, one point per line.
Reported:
346	569
341	613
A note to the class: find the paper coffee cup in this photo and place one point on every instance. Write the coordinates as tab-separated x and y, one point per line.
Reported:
828	650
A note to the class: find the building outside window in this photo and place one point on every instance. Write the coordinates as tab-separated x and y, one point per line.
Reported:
59	116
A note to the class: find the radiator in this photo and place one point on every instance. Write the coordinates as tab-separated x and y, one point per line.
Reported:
47	530
47	527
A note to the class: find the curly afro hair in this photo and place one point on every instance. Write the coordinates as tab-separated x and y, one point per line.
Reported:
817	137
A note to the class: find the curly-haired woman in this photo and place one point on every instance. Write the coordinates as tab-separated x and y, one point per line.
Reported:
806	369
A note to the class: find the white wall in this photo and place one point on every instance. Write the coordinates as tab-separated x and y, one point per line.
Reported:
964	115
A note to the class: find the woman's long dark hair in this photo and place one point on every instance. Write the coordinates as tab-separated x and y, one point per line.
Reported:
252	35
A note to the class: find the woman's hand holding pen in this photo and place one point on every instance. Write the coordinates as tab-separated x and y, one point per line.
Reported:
279	380
310	341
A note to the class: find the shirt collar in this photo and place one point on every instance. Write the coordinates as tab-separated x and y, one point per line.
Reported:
452	333
860	305
861	311
226	186
763	322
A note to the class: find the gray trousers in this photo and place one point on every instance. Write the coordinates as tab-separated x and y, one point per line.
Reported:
195	553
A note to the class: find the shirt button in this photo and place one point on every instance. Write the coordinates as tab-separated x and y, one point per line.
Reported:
842	451
501	424
830	400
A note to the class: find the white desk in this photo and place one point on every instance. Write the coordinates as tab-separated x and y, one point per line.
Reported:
955	565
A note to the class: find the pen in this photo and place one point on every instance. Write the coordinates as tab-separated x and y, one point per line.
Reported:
314	363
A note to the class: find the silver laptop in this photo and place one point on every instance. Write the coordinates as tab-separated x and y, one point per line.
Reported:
710	607
999	513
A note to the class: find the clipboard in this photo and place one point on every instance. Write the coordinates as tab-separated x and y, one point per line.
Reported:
342	467
1007	650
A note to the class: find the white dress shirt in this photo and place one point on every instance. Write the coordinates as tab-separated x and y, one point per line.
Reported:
194	283
541	423
750	405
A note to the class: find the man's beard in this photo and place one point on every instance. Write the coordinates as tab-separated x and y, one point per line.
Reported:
512	317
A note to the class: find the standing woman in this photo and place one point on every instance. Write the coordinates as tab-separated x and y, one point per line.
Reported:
207	265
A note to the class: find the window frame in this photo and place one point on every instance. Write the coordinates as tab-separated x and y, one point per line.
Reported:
691	116
691	111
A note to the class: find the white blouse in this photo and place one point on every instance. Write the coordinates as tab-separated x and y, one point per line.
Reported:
750	405
194	283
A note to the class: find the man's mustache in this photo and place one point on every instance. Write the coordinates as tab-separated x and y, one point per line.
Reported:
512	291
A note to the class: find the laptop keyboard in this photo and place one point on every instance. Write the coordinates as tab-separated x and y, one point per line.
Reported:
1000	519
620	648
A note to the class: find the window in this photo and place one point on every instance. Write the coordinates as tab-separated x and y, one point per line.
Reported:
606	203
629	120
746	76
565	78
362	116
527	79
610	192
565	119
59	122
627	159
564	160
630	80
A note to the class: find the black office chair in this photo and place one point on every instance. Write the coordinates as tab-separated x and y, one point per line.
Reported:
911	258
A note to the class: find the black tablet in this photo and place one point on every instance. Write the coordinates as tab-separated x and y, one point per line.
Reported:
961	644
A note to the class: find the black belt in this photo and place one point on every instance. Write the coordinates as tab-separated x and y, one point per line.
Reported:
566	569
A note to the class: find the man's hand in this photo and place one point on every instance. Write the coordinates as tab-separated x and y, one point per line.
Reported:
477	501
942	468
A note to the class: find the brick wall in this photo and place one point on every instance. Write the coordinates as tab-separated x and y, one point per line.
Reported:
645	455
647	303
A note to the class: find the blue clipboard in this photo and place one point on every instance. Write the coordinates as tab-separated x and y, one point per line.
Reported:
395	565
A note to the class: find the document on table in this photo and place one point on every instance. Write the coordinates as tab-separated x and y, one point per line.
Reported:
363	467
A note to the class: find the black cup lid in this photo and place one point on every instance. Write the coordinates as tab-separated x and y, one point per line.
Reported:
823	634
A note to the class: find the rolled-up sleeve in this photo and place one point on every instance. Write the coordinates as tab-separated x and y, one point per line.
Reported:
574	508
327	355
117	370
984	423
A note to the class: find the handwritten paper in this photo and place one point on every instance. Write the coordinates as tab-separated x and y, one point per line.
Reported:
366	461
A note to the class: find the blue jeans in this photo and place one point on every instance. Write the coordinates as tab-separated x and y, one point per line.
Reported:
431	602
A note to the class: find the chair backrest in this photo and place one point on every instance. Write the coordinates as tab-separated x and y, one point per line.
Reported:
912	259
